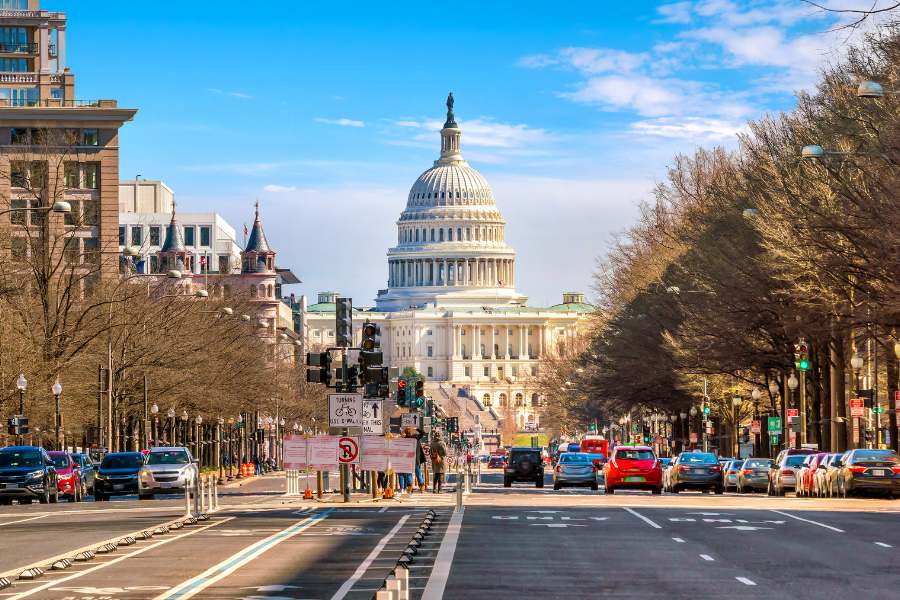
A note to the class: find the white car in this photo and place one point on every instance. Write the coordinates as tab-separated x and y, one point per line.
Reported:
167	470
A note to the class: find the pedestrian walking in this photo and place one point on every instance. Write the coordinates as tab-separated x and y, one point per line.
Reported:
438	460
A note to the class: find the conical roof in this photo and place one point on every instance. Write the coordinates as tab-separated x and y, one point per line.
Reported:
257	242
174	236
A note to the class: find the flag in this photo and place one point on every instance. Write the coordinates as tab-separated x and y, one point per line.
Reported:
246	231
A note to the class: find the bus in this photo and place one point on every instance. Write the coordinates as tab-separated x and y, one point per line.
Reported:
595	444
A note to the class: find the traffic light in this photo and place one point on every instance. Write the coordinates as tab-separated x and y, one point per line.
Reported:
706	410
401	392
419	399
370	360
348	381
343	314
453	425
321	367
801	355
17	425
870	435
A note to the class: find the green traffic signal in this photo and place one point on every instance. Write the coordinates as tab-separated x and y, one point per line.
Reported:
803	364
420	401
706	410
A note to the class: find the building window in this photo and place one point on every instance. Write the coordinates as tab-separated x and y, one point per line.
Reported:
430	351
486	400
535	400
430	372
205	236
72	251
154	235
189	235
515	371
502	400
534	370
224	263
428	332
520	400
91	176
90	137
417	235
121	235
487	371
441	235
137	235
154	263
331	333
71	175
18	174
449	235
19	136
91	251
468	371
71	217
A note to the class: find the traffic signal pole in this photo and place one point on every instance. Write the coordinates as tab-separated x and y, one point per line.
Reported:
344	467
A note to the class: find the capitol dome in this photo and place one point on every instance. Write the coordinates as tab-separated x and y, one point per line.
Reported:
451	245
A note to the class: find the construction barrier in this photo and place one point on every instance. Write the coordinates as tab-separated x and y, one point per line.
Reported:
291	482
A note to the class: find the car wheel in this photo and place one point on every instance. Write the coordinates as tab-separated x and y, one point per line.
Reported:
539	483
98	497
145	496
675	489
45	497
507	482
556	487
25	501
595	486
656	491
54	498
720	491
609	490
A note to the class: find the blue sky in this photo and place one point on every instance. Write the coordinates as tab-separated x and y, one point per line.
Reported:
327	112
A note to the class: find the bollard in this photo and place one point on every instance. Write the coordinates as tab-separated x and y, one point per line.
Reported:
187	500
459	494
403	577
319	484
210	484
201	482
385	595
196	492
373	481
392	584
467	476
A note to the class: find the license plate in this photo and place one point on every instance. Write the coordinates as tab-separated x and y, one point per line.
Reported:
10	486
118	486
878	473
635	479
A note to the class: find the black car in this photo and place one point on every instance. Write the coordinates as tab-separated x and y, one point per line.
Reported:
867	470
117	475
696	471
27	473
86	466
524	464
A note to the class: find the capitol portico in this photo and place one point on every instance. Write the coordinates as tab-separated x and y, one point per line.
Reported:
450	310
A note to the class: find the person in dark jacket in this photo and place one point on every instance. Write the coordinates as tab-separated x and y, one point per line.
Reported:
438	461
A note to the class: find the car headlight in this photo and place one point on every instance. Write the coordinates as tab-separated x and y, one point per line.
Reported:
35	474
146	474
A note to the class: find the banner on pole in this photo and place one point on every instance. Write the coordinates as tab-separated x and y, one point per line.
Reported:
380	453
323	452
374	453
403	454
295	447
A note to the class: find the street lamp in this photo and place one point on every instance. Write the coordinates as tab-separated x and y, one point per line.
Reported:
171	415
736	405
793	382
56	388
21	385
219	423
154	410
198	439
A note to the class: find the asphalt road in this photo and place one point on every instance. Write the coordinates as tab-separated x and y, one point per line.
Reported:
521	542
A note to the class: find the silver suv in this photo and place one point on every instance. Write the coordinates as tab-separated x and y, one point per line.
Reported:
167	470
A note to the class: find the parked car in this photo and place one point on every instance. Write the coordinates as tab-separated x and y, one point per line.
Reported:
730	474
117	475
575	469
632	467
167	470
496	462
828	478
806	472
697	471
783	472
88	470
26	474
68	476
524	465
865	470
754	475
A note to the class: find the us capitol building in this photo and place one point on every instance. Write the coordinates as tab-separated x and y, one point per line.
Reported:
451	310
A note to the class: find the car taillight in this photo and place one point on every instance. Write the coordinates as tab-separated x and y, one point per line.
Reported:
558	468
896	469
787	472
682	468
857	469
715	468
748	471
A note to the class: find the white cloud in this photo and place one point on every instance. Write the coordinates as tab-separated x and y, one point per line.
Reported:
275	188
689	128
483	133
407	124
343	122
537	61
645	95
232	94
679	12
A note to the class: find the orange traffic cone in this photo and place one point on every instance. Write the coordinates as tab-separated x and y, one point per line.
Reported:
307	494
388	493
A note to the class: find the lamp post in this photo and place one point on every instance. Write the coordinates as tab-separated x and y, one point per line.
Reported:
230	447
736	412
56	388
857	363
154	433
240	457
792	383
756	395
21	385
219	423
184	427
198	439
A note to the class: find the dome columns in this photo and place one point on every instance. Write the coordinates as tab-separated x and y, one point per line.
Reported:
451	272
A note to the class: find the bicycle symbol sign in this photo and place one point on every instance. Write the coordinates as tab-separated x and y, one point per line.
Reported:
345	410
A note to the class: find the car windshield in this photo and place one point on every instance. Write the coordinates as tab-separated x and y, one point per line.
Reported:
60	461
532	456
571	458
794	460
738	464
875	455
79	459
634	454
757	463
122	461
699	458
168	457
20	458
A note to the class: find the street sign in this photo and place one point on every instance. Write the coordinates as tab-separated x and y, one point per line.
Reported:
793	412
857	407
693	437
755	426
373	417
409	420
345	410
774	424
348	450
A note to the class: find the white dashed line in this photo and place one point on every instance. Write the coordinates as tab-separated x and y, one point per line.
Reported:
745	581
808	521
383	509
883	545
679	540
642	518
707	557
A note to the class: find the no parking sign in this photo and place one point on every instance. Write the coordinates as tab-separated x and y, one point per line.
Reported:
348	450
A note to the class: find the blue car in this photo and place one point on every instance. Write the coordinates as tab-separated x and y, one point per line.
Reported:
117	475
26	474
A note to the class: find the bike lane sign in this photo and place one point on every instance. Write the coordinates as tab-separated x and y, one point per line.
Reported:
345	410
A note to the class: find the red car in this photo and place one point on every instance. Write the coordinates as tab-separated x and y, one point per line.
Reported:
496	462
68	476
633	467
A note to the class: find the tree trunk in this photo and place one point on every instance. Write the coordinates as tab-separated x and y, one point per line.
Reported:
826	424
893	373
840	432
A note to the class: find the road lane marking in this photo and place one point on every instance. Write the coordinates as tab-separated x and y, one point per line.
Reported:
679	540
107	563
23	520
383	509
194	586
364	565
808	521
745	581
883	545
434	589
642	518
707	557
